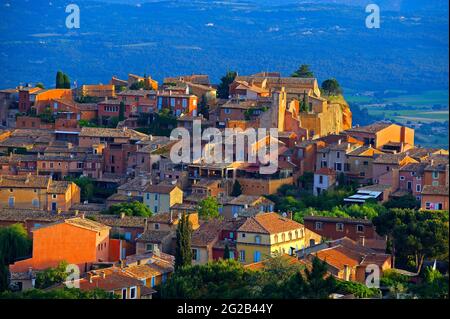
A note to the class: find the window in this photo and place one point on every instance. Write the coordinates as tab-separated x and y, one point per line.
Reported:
402	178
156	196
435	183
360	228
362	174
242	255
54	196
153	282
149	247
227	111
127	236
338	166
427	205
243	235
195	254
318	226
418	188
320	179
339	227
172	102
184	103
387	168
133	292
258	239
338	154
164	278
124	293
323	155
256	256
11	202
35	202
435	175
156	209
290	236
231	235
156	226
365	163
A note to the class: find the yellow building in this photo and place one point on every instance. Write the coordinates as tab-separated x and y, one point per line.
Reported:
268	234
37	192
161	197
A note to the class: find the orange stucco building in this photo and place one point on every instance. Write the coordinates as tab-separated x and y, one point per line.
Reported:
76	240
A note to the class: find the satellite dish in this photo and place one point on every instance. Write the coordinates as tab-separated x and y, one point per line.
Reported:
235	215
284	215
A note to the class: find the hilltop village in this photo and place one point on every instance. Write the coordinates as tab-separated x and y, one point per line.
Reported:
86	179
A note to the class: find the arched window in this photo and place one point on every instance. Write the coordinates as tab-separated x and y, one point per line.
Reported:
290	236
283	237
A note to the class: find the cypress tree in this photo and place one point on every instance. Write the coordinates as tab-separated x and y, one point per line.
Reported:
237	189
183	252
226	252
59	80
66	81
122	111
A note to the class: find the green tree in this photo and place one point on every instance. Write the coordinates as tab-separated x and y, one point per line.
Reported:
183	251
304	104
237	189
406	201
415	235
331	87
434	285
66	81
203	107
51	276
303	72
60	293
208	208
121	111
59	80
14	243
226	252
86	185
223	90
40	85
137	85
134	208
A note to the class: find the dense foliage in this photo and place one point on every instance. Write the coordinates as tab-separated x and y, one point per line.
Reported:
223	90
183	251
51	276
303	72
61	293
14	244
226	279
208	208
86	185
134	208
415	235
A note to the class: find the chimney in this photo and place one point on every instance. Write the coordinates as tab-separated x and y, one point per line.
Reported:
146	223
363	240
339	141
122	215
90	275
82	216
76	213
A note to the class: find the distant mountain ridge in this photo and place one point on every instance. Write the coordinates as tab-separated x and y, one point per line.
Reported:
163	38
